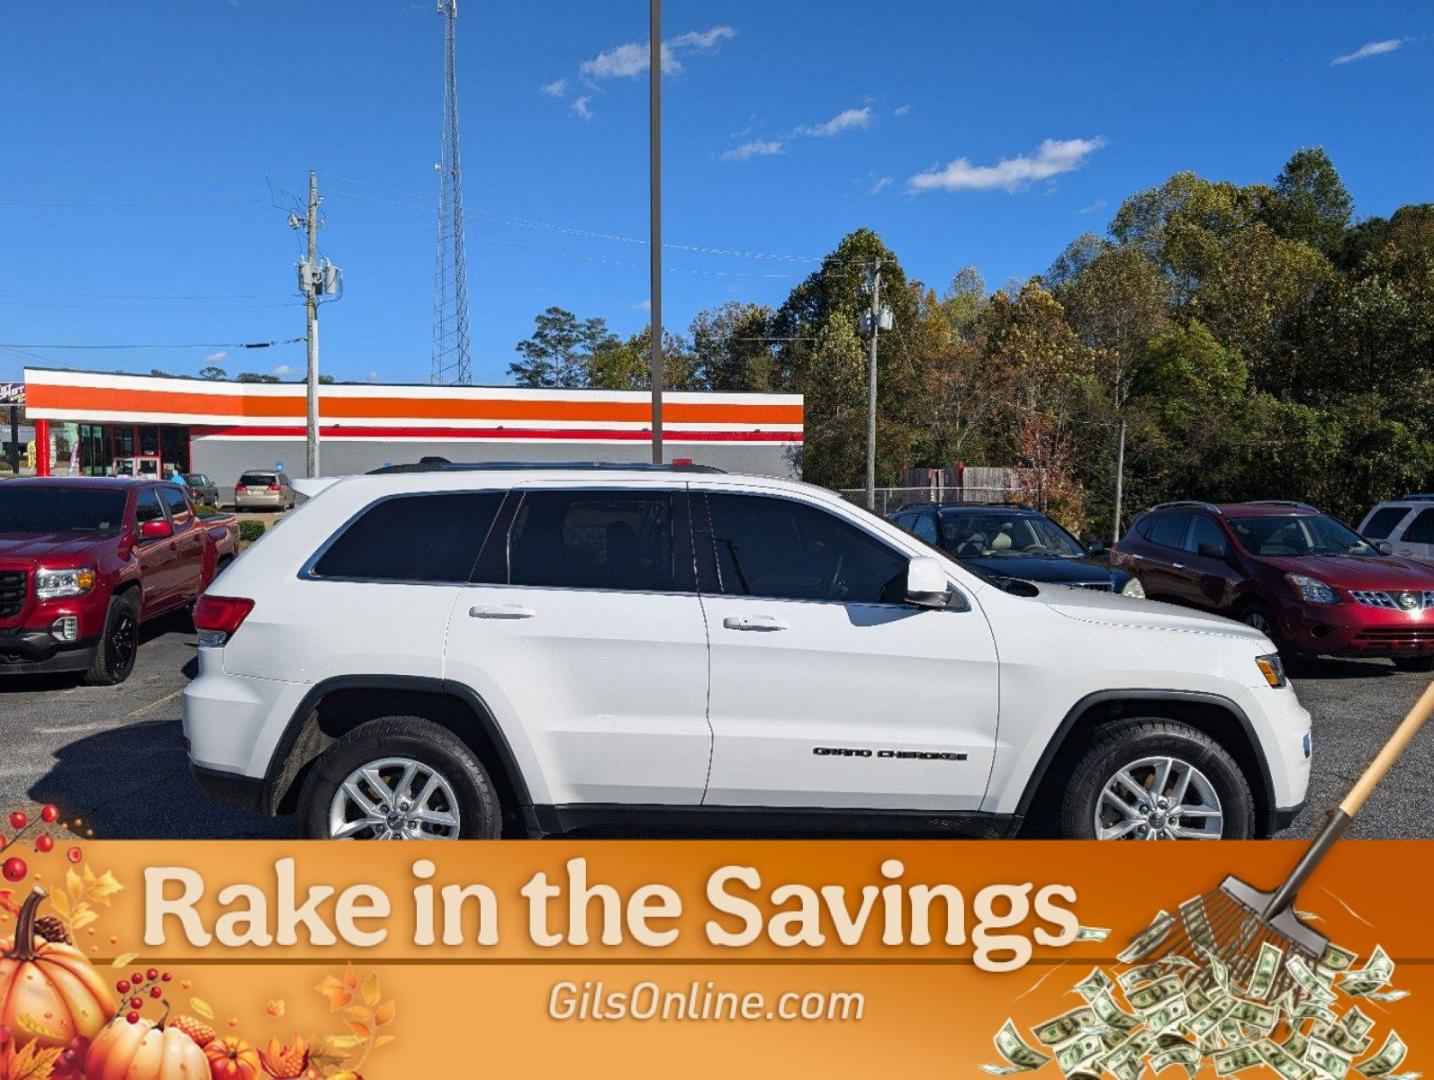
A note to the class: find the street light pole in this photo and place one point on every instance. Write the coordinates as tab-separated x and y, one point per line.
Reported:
871	388
654	92
311	311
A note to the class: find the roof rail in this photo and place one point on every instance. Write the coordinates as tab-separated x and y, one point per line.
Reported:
1280	502
438	464
1187	502
989	504
1417	496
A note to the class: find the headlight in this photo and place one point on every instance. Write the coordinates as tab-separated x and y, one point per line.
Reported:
1312	590
1272	669
53	584
1134	588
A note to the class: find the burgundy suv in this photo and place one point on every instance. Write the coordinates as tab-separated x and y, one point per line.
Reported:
1312	585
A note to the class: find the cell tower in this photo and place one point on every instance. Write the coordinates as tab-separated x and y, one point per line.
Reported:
451	364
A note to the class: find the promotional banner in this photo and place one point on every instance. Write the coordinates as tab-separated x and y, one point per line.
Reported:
619	959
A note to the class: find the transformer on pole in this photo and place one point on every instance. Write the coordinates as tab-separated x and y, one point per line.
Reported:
451	363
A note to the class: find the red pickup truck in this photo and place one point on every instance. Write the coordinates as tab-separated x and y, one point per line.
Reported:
85	560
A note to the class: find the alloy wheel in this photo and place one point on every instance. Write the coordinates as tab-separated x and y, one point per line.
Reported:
394	798
1158	798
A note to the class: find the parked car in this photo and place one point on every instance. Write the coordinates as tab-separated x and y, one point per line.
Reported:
1406	525
85	560
1308	582
263	489
202	489
446	651
1015	542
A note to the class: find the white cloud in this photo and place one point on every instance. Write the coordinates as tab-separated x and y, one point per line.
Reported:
556	88
630	60
373	376
580	107
880	186
1374	48
1055	156
755	148
901	110
846	120
216	357
642	305
283	371
1092	208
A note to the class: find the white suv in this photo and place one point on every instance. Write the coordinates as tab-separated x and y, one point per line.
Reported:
474	651
1406	525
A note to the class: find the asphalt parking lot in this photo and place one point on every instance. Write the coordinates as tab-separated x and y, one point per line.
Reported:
114	756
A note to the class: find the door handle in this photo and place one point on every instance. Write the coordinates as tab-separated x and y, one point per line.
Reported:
753	622
500	611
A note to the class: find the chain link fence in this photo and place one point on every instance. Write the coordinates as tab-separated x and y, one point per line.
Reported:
891	499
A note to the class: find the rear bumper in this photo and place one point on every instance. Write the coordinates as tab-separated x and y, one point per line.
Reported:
1351	629
34	652
258	502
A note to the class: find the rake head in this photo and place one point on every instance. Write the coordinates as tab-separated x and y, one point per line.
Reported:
1232	925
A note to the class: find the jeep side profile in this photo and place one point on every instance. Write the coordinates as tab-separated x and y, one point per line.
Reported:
442	651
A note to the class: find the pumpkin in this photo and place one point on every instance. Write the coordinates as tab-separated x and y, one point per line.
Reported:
233	1059
49	993
144	1050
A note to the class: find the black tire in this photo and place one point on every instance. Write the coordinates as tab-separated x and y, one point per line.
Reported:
1114	746
480	815
119	645
1414	663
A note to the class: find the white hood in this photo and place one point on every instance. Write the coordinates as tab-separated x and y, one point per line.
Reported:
1111	609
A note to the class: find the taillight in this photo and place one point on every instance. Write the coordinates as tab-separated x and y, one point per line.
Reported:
273	487
218	617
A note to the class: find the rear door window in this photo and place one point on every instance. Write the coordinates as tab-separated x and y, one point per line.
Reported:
1168	530
177	505
433	537
1421	529
597	539
1382	522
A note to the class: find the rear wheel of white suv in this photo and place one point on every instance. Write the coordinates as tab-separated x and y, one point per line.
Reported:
1156	779
399	778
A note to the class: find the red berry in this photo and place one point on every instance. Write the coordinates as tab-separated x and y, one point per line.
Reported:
137	978
122	986
155	991
166	977
14	869
74	854
136	1003
152	974
49	813
132	1017
43	844
19	819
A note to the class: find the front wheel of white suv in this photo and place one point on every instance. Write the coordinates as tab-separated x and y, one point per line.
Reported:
399	778
1156	779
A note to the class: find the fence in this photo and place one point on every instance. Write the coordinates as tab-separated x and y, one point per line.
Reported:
891	499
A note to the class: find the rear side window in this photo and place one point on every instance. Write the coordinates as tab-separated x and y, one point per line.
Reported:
1382	522
176	504
1168	530
1421	529
594	540
789	550
434	537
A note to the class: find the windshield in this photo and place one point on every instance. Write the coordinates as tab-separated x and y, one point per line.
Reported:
1004	533
25	509
1311	535
198	479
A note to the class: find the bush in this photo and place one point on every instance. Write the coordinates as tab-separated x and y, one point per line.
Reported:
206	509
249	531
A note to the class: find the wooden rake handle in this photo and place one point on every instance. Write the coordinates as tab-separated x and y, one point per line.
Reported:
1380	766
1340	820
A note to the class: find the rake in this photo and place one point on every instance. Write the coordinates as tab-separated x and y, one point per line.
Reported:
1233	922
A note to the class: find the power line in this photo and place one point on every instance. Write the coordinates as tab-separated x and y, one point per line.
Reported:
184	345
151	307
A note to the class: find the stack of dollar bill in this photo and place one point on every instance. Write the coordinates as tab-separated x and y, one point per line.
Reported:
1193	1012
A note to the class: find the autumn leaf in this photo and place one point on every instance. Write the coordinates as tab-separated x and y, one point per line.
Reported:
61	903
363	1031
384	1014
359	1013
371	993
351	979
383	1040
7	902
276	1008
74	885
33	1063
202	1007
102	888
123	960
339	1042
338	994
84	915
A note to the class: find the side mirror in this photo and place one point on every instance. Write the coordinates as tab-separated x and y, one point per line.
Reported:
155	530
1384	547
1095	547
926	583
1211	550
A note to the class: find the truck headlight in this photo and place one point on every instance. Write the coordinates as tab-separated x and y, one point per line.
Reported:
1134	588
1312	590
1273	669
53	584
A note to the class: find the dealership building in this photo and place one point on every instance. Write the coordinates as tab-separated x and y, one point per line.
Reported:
141	424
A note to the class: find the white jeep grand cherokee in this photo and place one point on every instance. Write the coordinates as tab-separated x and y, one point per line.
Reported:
439	651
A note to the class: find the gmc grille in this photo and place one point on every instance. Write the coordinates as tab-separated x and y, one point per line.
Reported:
12	592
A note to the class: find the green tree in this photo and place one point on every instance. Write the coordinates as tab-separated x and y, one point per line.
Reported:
1310	202
561	351
733	347
212	372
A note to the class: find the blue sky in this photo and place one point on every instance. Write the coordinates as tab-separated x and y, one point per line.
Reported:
140	142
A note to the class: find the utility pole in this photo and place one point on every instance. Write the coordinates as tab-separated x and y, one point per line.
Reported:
1119	482
654	120
311	311
873	321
